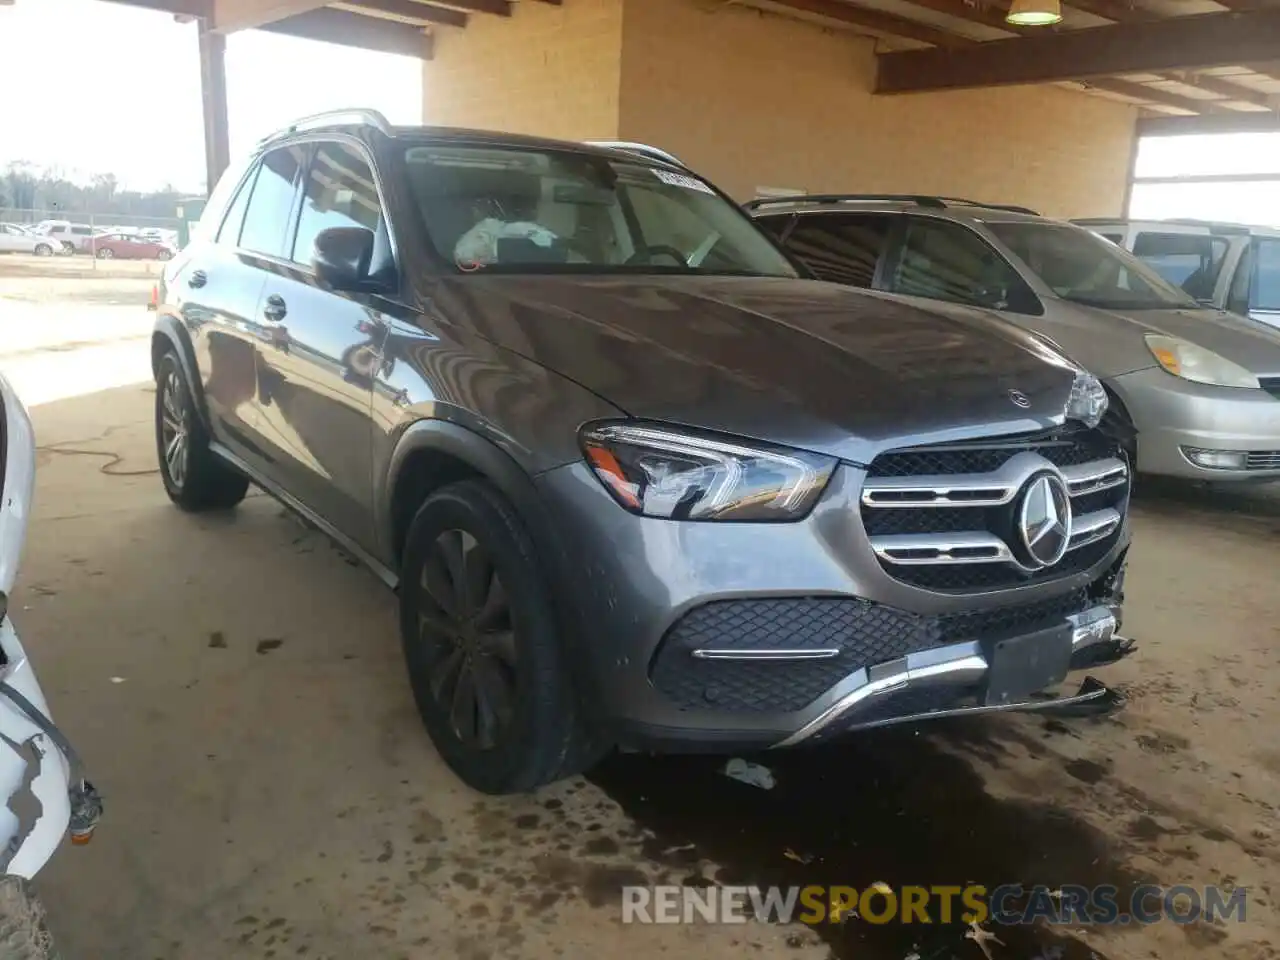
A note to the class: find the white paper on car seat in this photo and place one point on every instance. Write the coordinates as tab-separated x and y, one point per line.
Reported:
480	243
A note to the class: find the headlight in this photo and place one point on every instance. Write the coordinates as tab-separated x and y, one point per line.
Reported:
1190	362
685	475
1088	400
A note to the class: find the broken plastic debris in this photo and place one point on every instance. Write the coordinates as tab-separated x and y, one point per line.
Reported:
117	679
980	937
792	855
752	774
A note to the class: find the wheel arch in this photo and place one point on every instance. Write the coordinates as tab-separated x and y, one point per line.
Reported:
169	336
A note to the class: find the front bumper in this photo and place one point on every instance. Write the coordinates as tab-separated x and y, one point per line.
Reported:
720	636
1174	415
35	777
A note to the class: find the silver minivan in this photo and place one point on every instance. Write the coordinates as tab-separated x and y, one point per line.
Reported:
1229	265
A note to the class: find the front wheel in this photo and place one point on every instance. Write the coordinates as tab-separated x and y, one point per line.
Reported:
483	645
23	933
44	250
194	476
164	256
106	253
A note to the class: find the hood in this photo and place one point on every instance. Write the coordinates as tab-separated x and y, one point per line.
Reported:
1250	343
812	365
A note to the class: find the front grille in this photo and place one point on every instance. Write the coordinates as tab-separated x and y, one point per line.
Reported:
945	517
1264	460
1271	385
865	634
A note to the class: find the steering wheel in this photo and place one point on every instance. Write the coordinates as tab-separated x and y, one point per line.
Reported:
661	249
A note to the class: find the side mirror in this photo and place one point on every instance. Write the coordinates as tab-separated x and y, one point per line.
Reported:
342	256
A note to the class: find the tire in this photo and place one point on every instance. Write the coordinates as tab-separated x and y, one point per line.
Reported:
193	475
23	933
511	659
68	249
43	250
106	253
164	256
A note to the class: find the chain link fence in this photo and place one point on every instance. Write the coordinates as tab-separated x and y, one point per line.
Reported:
63	243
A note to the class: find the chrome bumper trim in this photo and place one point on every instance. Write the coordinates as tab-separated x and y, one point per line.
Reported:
714	653
958	665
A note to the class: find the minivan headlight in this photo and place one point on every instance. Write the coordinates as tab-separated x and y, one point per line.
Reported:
675	474
1190	362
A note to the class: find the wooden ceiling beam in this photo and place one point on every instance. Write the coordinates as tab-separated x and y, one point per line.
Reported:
988	14
499	8
355	30
1153	46
412	10
1222	87
1140	91
876	20
1121	11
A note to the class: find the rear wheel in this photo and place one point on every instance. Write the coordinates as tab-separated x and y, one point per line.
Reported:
194	476
164	256
483	645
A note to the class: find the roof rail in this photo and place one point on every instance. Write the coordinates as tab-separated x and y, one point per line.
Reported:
923	200
627	146
354	115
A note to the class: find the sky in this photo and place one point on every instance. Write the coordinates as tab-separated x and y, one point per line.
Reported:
97	87
102	87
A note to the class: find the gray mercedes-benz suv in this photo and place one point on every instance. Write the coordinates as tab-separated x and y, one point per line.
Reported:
636	482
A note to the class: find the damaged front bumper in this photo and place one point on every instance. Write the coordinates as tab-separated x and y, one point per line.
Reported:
980	676
46	796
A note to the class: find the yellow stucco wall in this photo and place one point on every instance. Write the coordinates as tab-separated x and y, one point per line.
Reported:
547	70
753	99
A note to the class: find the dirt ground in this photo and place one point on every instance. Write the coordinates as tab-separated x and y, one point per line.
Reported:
237	689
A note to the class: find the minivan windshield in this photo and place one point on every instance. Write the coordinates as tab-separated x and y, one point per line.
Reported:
1082	267
521	210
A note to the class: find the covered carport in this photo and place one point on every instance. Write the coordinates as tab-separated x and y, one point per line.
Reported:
918	96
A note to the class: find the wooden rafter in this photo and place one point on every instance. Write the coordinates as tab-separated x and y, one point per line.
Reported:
876	20
1154	46
1121	11
1223	88
355	30
986	13
499	8
411	10
1140	91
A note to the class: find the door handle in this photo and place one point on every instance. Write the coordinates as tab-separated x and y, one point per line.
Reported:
198	278
276	308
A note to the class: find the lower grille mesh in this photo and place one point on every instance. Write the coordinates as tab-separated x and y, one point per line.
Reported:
866	633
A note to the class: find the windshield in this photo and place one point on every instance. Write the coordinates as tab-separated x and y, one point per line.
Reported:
516	210
1082	267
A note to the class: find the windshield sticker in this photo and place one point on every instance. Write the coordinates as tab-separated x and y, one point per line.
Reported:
680	180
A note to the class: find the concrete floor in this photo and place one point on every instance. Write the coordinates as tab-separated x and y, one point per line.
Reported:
237	689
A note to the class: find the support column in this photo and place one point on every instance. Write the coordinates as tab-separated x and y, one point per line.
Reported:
213	84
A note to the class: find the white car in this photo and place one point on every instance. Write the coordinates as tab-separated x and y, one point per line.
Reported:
16	239
43	793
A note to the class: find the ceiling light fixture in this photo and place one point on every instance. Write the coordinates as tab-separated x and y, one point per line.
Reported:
1034	13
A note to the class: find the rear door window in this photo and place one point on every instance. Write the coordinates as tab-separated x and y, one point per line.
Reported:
1190	261
840	247
947	261
268	219
1266	290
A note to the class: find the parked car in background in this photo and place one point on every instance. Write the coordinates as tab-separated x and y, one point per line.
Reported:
69	235
125	246
637	482
18	239
1229	265
1201	385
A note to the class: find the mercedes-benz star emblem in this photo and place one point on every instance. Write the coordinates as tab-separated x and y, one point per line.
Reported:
1020	399
1044	519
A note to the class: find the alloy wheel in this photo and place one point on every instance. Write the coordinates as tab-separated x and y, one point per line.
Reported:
174	432
465	624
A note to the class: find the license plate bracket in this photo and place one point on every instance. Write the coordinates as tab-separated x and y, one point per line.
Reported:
1023	665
